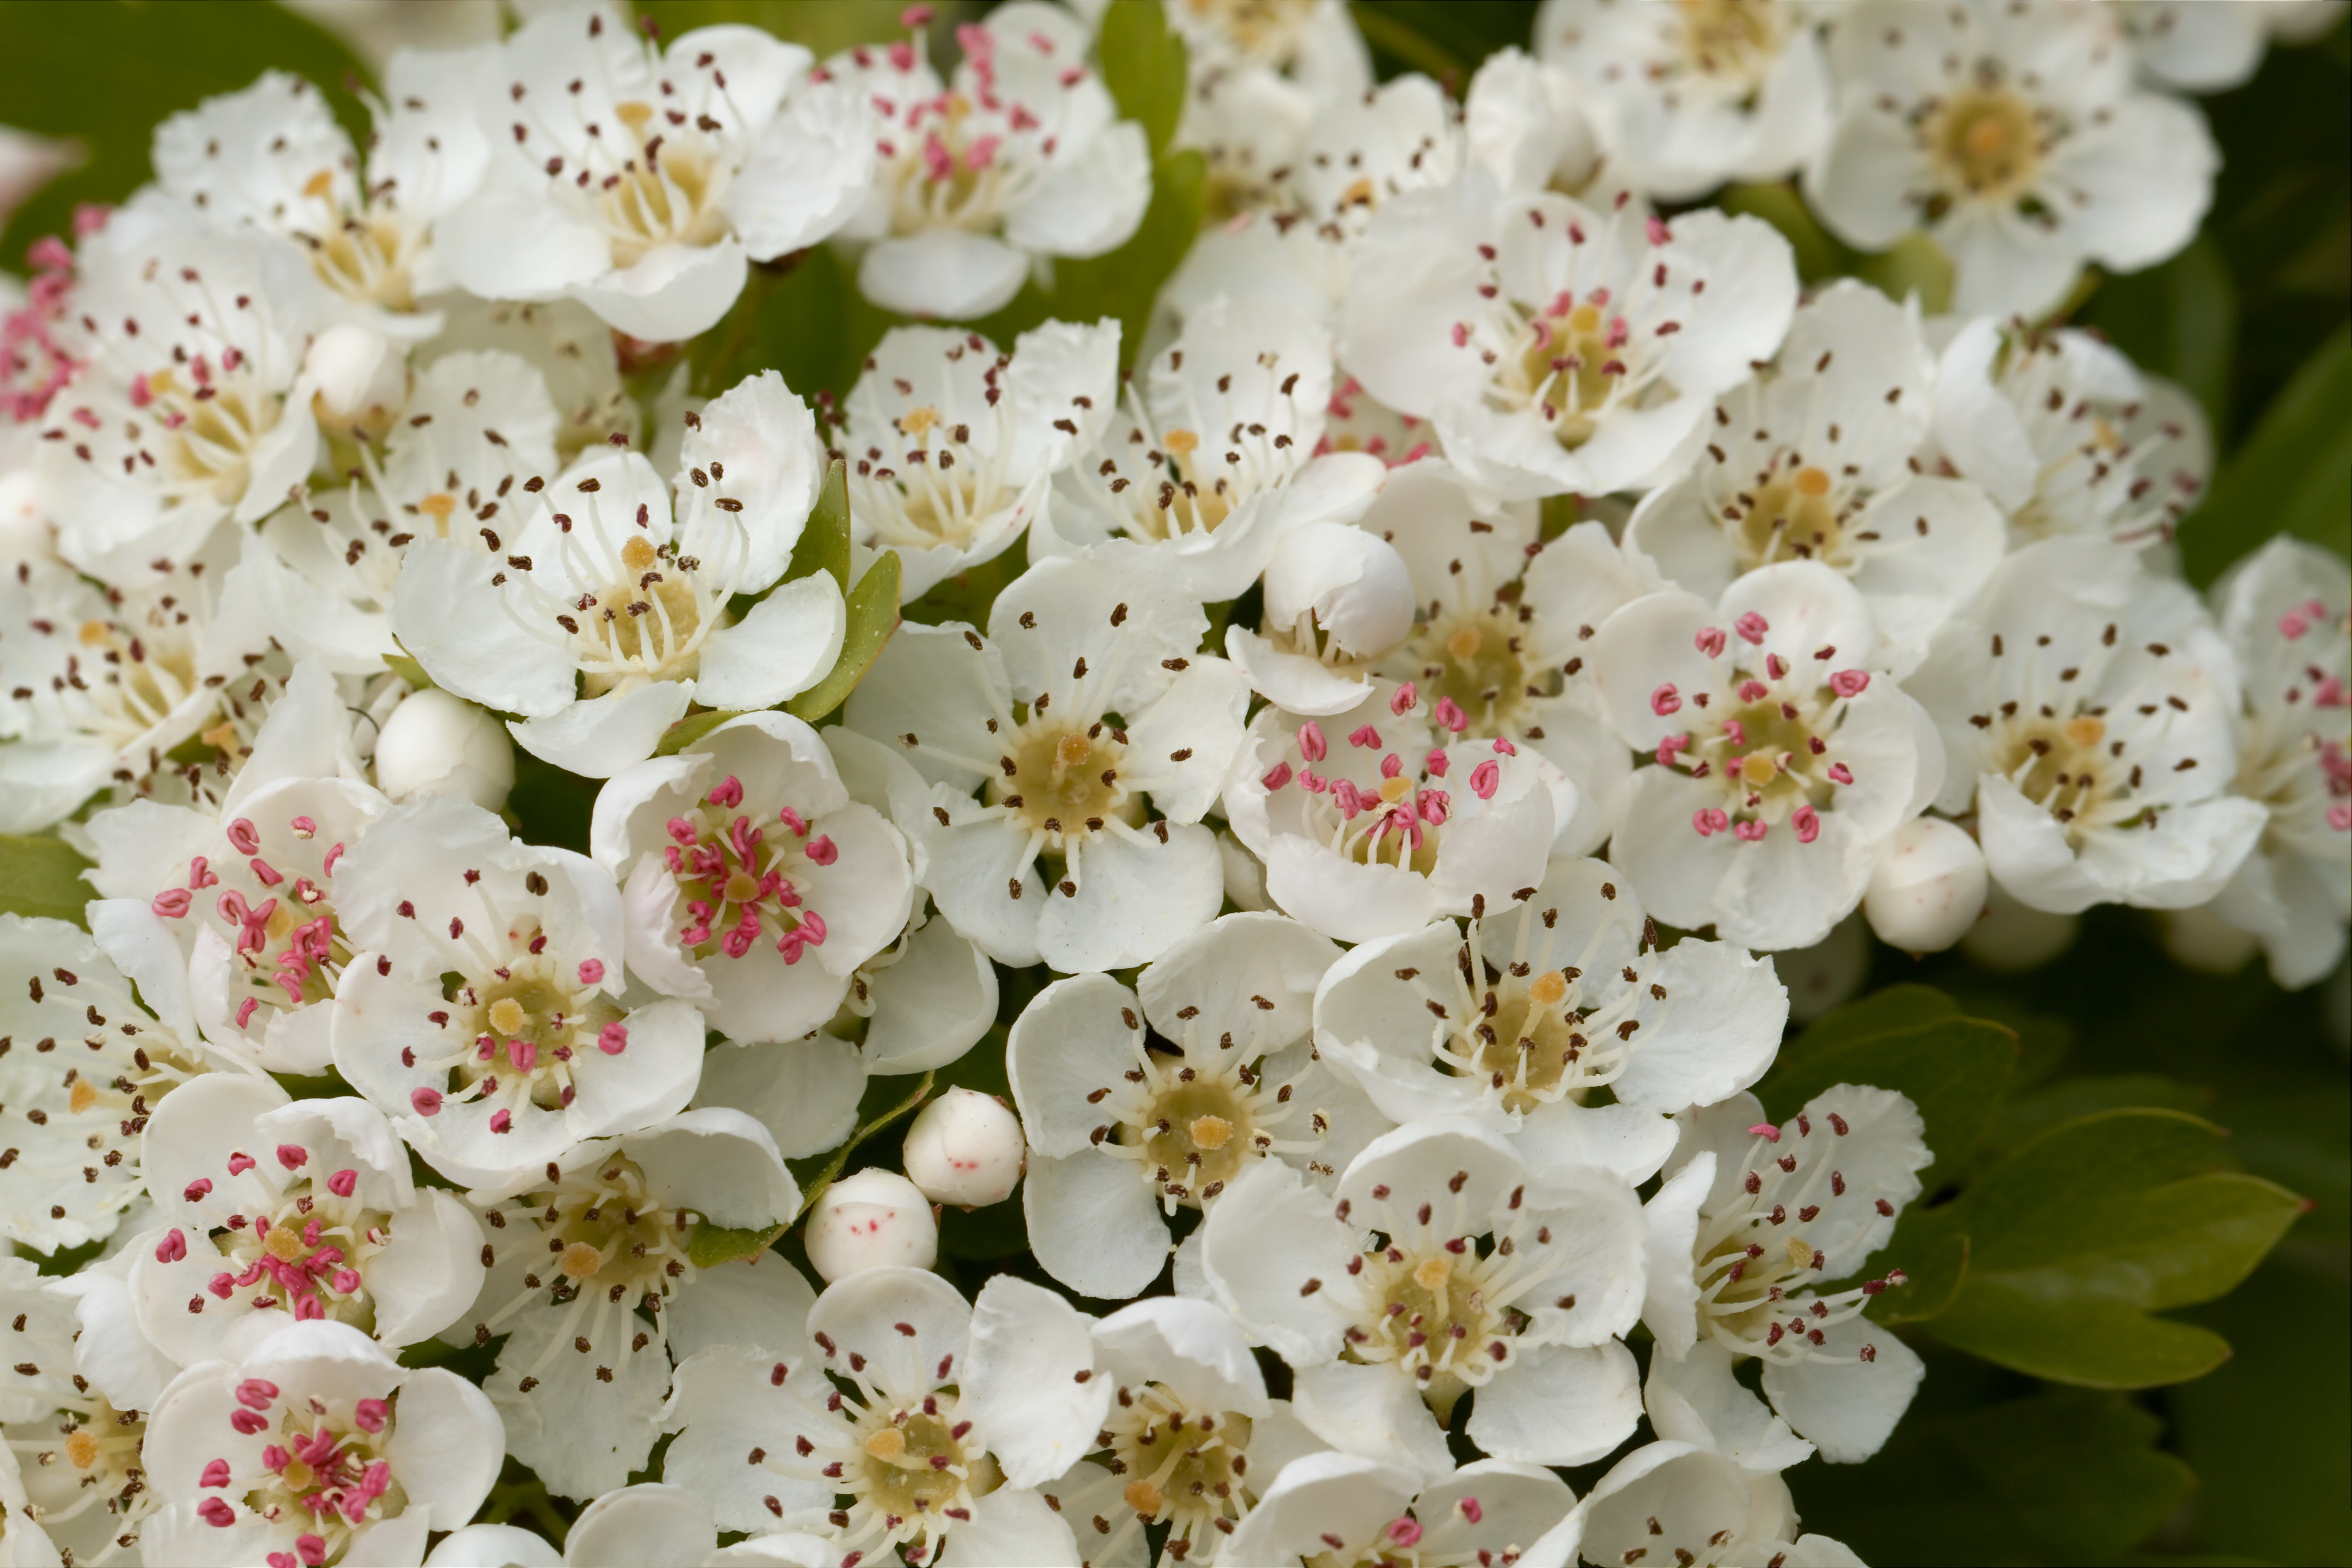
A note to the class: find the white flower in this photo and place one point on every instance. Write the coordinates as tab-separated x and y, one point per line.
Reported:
642	185
952	443
2284	612
753	886
1505	628
601	618
577	1249
1399	825
1336	598
87	1067
270	157
2088	710
1489	1511
1364	152
1398	1301
1019	158
1784	753
284	1210
1530	124
649	1522
1691	96
1122	1137
314	1445
1315	42
1517	1022
1719	1512
482	1008
903	1400
2206	49
1752	1221
1812	461
472	428
2068	436
1057	861
567	343
191	406
2013	135
1212	459
1556	348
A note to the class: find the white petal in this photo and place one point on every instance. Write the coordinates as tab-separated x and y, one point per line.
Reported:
599	737
1556	1406
1029	1348
786	644
447	1445
1093	1224
670	294
1011	1526
1848	1407
1374	1413
942	273
804	1092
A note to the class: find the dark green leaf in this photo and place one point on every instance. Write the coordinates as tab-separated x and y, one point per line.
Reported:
2293	475
41	878
2091	1342
1934	1260
801	316
1912	1040
824	541
2180	319
103	72
1142	64
873	616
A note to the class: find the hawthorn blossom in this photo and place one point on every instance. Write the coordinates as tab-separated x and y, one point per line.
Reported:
563	341
2067	435
1396	831
1212	459
1811	460
1123	1135
1517	1022
483	1008
1783	753
2089	710
1530	124
1766	1217
643	184
602	629
649	1522
1057	859
270	158
980	180
1313	43
953	443
87	1065
314	1445
1720	1512
752	884
1390	1308
1690	97
1556	348
609	1228
1490	1510
283	1211
2209	49
885	1428
1336	598
2284	612
192	405
2014	137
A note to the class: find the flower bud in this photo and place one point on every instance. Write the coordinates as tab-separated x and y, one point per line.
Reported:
1353	583
1927	888
966	1149
434	744
2202	940
2012	937
362	375
1830	972
871	1220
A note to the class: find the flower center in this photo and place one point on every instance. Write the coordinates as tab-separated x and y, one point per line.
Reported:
324	1471
950	173
364	255
1267	31
518	1028
1985	143
308	1253
1794	516
147	668
1772	752
1062	779
1735	42
946	489
1436	1316
103	1445
209	424
1475	661
667	192
1570	364
736	887
650	623
905	1474
1178	1467
1189	1122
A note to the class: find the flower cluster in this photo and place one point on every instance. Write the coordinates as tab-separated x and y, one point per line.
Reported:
1343	776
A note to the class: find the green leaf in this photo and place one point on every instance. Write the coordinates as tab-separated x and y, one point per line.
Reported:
873	616
103	72
825	540
713	1244
2180	319
2293	475
2083	1231
801	316
1142	64
2063	1477
1917	264
689	729
1912	1040
1821	255
1936	1261
41	878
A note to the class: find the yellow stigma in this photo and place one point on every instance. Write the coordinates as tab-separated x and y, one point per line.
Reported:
1395	789
742	888
1757	769
1466	643
2086	730
580	1261
1801	1252
1211	1131
82	1449
507	1017
637	555
1585	319
1180	442
297	1475
886	1445
1812	482
92	633
1433	1272
634	114
83	1096
1072	750
1986	137
438	506
1550	989
283	1244
219	736
319	184
915	421
1142	1496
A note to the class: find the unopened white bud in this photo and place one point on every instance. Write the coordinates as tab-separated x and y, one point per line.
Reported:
1354	584
966	1149
2202	940
2012	937
1927	888
358	372
434	744
1819	977
871	1220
